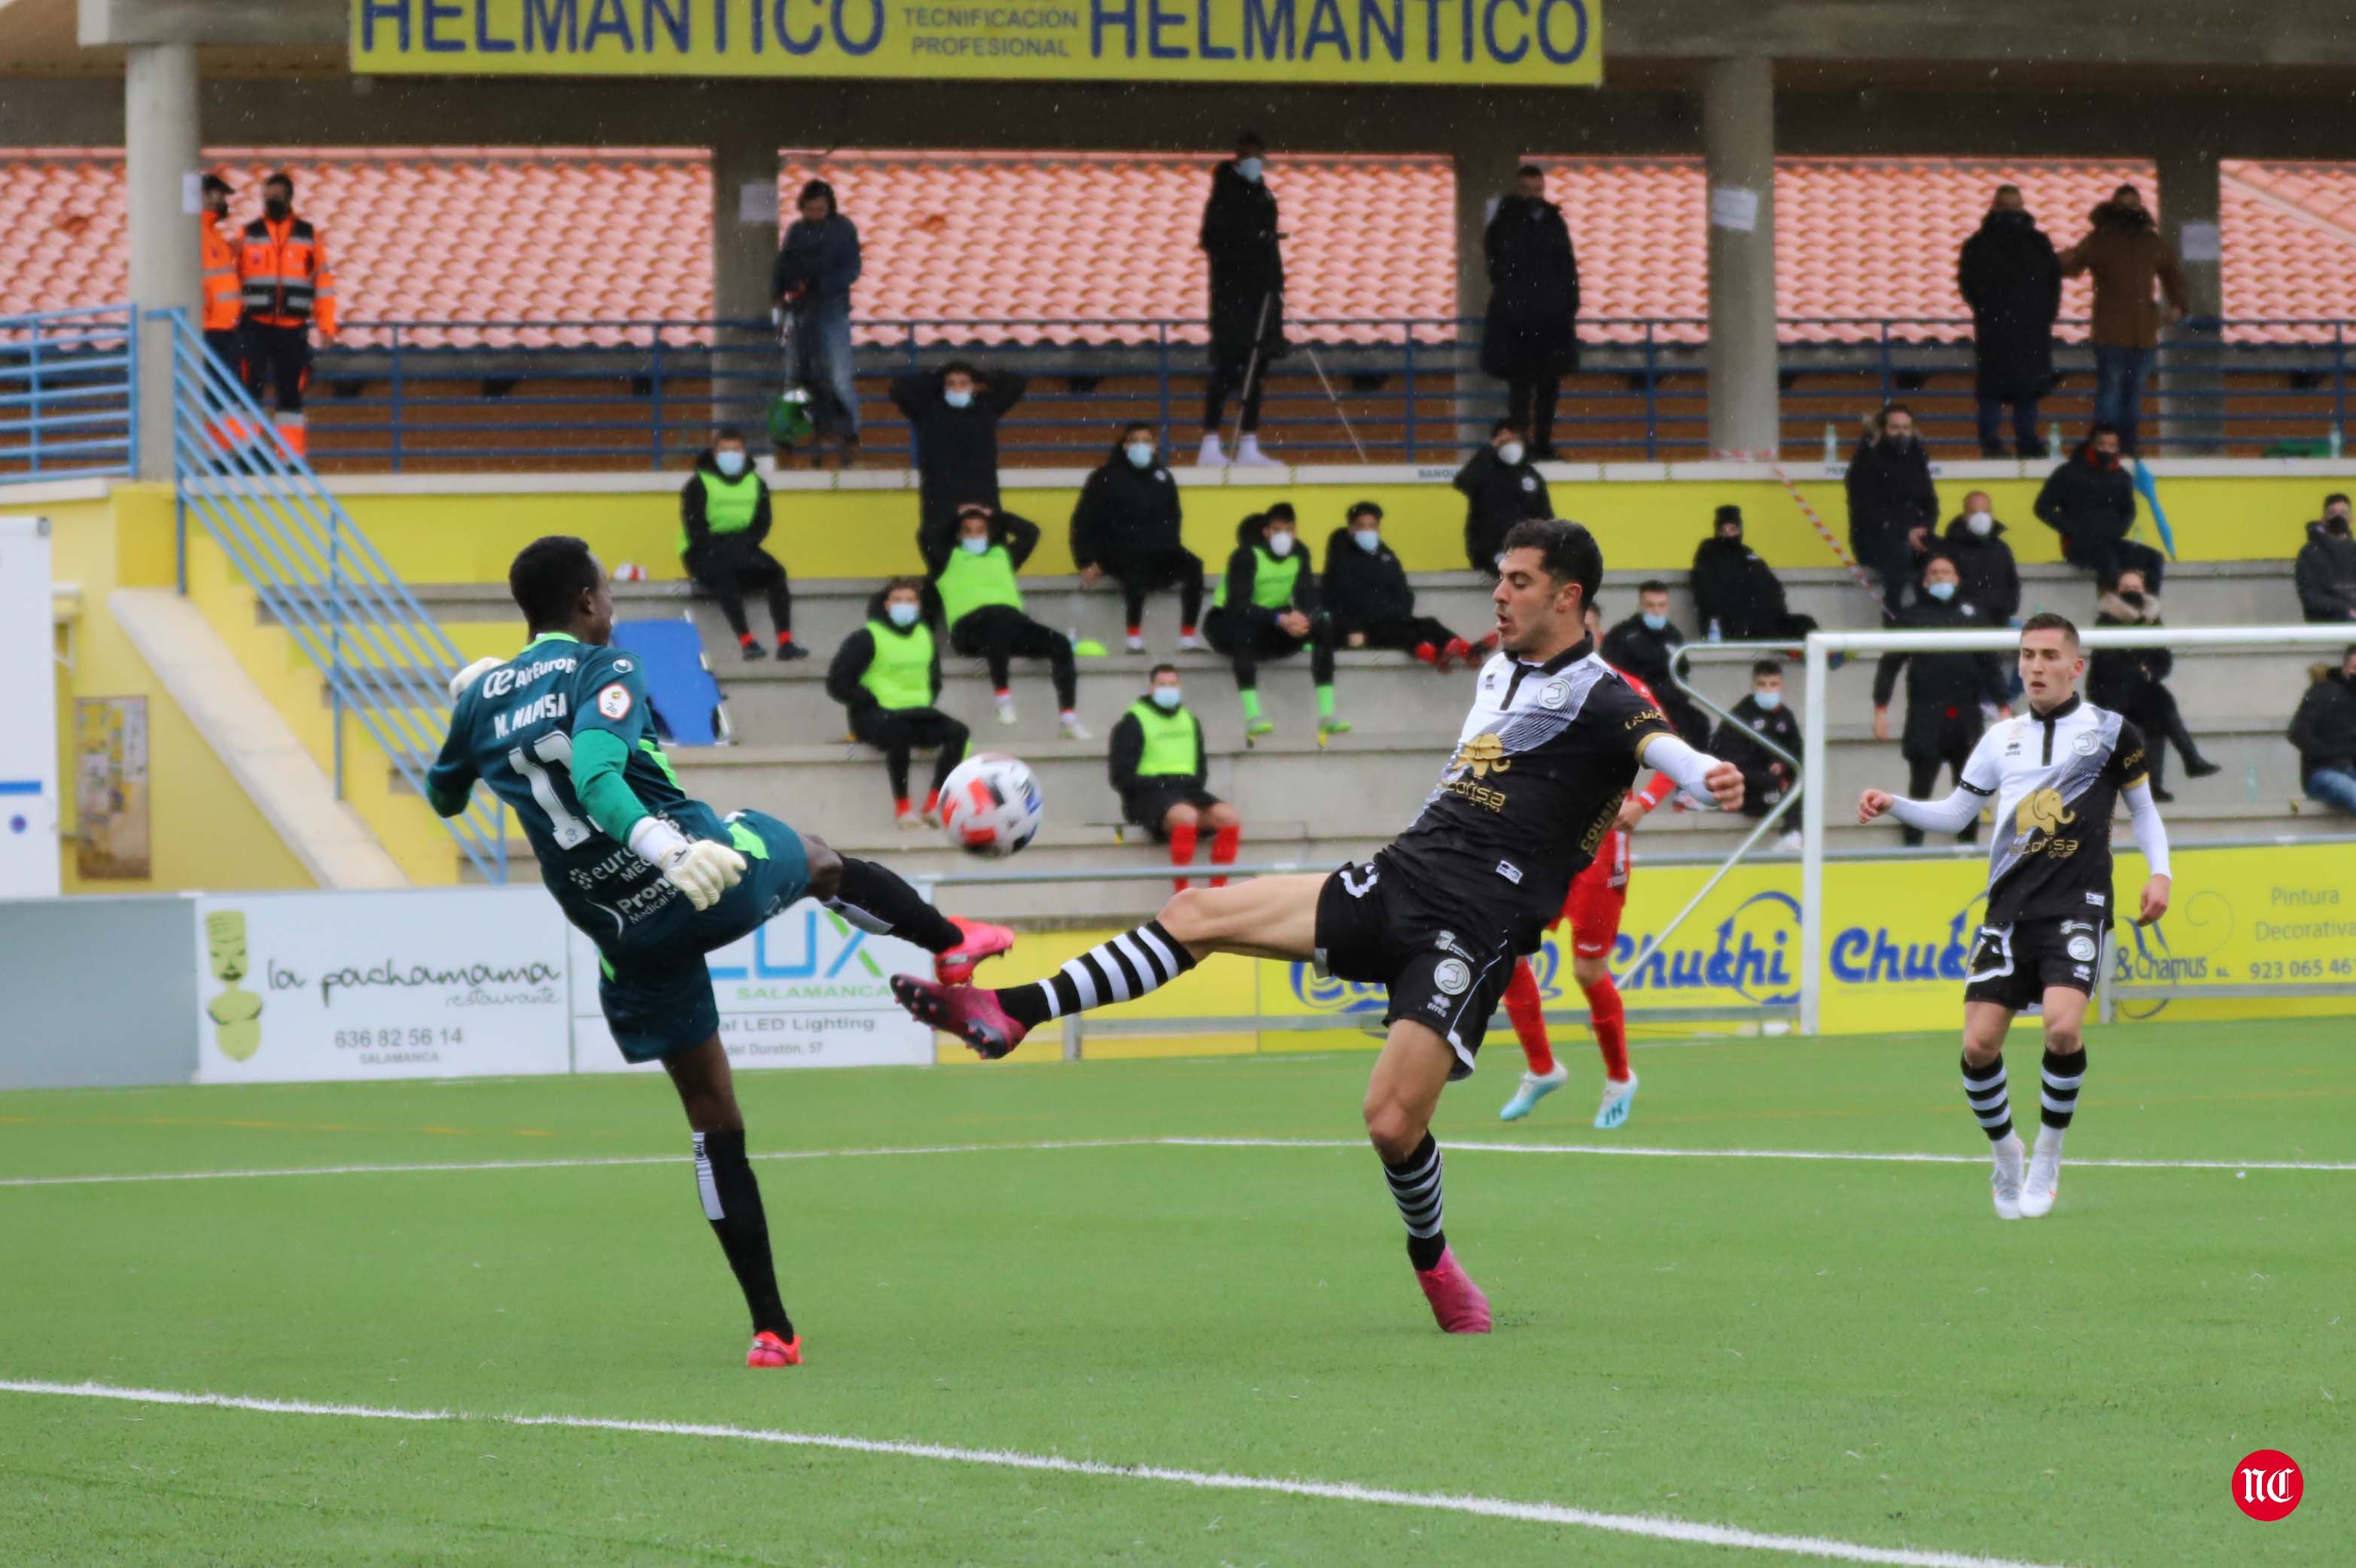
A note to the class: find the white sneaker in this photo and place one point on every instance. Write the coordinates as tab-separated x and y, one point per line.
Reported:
1213	454
1006	710
1192	643
1613	1110
2004	1182
1137	645
1074	729
1789	841
1249	455
2044	1183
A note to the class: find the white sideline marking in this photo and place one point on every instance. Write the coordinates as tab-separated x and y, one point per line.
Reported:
1037	1145
1652	1526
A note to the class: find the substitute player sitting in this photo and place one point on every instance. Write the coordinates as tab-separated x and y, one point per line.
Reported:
560	734
2055	774
1545	757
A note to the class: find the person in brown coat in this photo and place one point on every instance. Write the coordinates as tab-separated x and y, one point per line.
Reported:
2126	255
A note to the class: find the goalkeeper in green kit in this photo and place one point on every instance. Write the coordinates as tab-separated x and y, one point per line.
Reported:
561	734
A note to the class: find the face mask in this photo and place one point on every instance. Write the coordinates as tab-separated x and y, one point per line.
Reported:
730	464
1653	622
1167	698
2335	525
1140	456
1510	454
275	209
1941	592
1901	439
1768	701
1980	523
957	399
1369	539
1734	537
975	547
2133	597
1250	168
904	614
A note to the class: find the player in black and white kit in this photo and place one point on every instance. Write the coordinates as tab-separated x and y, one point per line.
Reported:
2055	774
1553	741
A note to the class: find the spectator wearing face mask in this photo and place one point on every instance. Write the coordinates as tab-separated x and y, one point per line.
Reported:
1266	607
1369	601
2324	731
1990	578
2326	568
1944	690
2011	279
1125	527
2134	681
1737	596
887	676
1892	504
1765	776
724	516
1644	644
1246	248
981	605
1159	767
1501	487
953	415
2090	502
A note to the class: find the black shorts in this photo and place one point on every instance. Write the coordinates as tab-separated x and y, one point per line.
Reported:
2014	965
1147	805
1444	964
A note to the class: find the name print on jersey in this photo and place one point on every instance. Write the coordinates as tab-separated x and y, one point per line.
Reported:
547	705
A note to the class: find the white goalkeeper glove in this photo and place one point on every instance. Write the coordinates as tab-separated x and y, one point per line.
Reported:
472	674
698	867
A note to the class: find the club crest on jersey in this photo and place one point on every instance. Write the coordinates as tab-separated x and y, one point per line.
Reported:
2082	948
1481	756
1452	975
2044	811
1554	695
2087	744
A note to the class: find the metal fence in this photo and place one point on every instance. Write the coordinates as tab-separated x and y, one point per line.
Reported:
69	404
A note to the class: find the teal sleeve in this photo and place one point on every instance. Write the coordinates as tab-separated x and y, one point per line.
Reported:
452	778
599	757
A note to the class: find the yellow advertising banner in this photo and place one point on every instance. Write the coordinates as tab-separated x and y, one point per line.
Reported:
1463	43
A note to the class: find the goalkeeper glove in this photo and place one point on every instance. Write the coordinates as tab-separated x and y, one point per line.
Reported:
472	674
698	867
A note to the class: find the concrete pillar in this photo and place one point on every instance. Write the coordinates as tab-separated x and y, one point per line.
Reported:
744	231
2191	384
1737	130
1485	156
161	152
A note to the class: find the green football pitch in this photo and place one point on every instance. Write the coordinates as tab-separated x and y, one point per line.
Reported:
1159	1313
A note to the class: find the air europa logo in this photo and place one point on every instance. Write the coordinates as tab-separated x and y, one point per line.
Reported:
2267	1485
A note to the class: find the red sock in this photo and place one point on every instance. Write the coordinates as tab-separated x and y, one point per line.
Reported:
1223	849
1182	850
1426	654
1522	1006
932	801
1137	631
785	639
1186	631
900	808
1611	1021
747	641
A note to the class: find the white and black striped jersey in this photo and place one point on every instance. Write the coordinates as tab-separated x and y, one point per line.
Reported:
1545	755
2056	778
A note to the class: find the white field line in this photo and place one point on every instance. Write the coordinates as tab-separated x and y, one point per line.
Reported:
1646	1525
1037	1145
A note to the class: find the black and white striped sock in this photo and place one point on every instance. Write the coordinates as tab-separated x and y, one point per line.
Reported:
1121	970
1415	1187
2058	1099
1984	1088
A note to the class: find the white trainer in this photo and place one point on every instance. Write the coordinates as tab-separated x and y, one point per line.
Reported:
2005	1181
1192	643
1072	728
1249	455
1006	710
1213	454
1619	1096
1534	1086
2044	1183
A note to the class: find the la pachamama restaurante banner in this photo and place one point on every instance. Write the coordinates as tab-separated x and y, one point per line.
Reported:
1495	43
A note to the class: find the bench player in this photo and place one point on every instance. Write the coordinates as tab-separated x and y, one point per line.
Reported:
1439	916
2055	774
560	733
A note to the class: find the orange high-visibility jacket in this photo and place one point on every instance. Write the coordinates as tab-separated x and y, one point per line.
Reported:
283	272
220	263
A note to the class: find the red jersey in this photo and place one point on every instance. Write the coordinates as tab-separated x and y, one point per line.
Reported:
1610	867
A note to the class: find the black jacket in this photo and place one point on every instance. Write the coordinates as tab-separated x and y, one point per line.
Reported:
691	501
2085	502
1890	494
1126	513
1991	578
858	651
1243	569
1734	743
1018	534
1239	236
1644	653
1944	690
956	448
818	263
2119	677
1496	498
1363	591
2011	279
1129	750
1532	292
1735	587
2324	727
2325	575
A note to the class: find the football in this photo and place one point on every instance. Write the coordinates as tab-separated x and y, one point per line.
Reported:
990	804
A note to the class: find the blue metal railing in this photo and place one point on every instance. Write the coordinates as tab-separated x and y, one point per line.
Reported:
385	660
68	394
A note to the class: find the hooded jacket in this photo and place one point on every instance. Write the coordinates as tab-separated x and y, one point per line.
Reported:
819	261
2125	254
1126	513
956	448
2325	575
1734	586
1991	577
693	499
2086	498
2324	727
2010	277
2116	677
1637	649
1942	688
1243	569
858	651
1497	497
1891	493
1239	237
1734	743
1532	291
1363	589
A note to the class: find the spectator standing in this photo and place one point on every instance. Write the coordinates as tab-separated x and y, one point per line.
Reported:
1159	769
982	607
1892	504
724	516
1125	526
1501	487
1643	646
811	280
1369	600
2126	255
2325	571
1266	607
284	287
1990	578
953	415
2011	279
2134	681
2324	731
217	257
1528	340
1765	776
2090	502
1944	689
1246	248
887	675
1737	596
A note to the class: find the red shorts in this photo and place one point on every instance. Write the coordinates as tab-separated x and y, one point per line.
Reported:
1593	910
